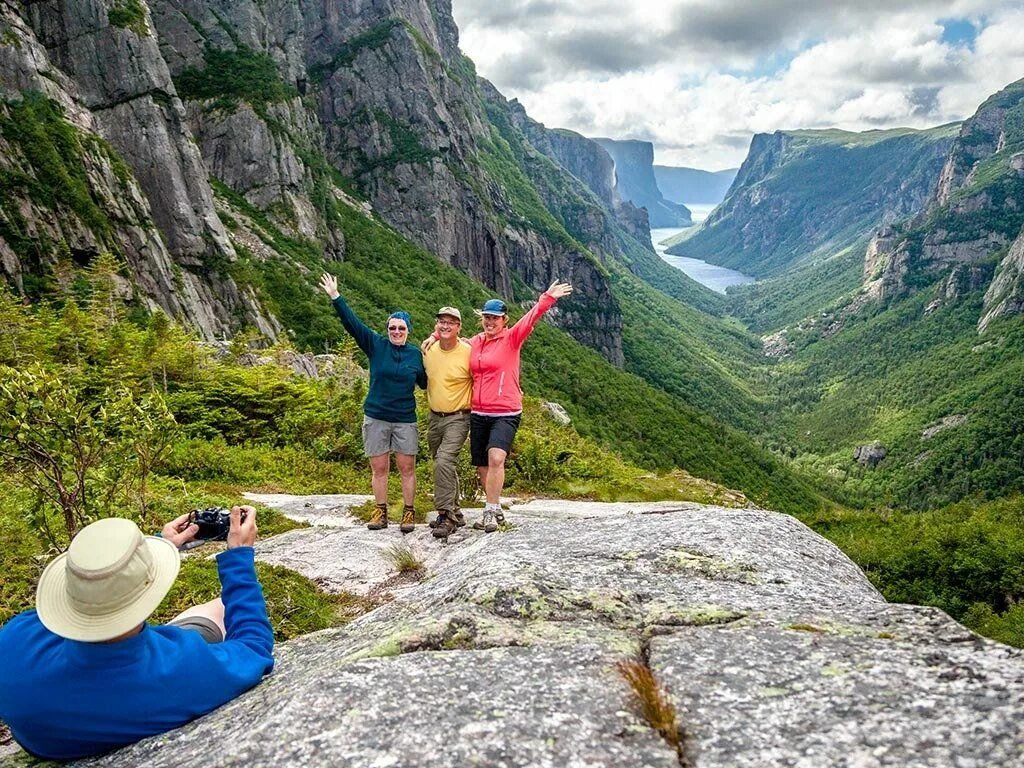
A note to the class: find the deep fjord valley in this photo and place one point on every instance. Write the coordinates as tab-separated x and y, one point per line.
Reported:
177	175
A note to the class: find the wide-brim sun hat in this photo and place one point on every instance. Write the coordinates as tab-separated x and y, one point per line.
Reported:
109	581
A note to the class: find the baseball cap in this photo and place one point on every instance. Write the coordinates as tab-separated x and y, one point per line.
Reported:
452	311
494	307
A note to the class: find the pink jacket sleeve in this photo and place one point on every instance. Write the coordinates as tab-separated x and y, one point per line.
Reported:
524	326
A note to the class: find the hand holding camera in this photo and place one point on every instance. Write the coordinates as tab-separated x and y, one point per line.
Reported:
242	532
237	526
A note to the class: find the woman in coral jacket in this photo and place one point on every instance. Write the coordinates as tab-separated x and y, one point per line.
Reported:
497	398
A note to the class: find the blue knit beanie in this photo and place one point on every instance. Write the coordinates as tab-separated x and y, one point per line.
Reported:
403	316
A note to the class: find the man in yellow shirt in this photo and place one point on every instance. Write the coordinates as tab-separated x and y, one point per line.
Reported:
449	395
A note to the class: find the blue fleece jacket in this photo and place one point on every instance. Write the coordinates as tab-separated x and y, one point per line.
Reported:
394	371
64	699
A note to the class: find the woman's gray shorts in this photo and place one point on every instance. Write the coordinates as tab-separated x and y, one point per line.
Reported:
381	437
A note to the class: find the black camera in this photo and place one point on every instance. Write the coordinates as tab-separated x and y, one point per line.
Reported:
214	523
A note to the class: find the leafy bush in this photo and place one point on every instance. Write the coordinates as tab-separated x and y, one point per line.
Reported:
232	76
129	14
82	453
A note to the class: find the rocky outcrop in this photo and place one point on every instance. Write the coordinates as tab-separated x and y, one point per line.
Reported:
985	134
635	182
946	422
1005	294
586	160
870	455
804	195
769	642
976	211
110	82
557	413
268	144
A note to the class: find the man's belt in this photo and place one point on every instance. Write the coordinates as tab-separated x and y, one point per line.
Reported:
449	413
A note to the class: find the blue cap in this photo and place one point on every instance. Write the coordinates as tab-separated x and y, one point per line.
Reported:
404	317
494	307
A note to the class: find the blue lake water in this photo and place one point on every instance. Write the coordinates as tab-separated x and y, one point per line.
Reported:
714	277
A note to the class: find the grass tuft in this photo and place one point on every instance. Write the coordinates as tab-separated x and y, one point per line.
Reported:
404	560
654	705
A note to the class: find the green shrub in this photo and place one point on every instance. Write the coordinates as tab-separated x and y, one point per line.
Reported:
232	76
129	14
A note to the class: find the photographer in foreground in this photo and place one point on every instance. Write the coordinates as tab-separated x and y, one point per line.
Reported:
84	673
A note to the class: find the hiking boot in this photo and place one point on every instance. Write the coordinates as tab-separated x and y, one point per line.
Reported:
379	519
486	523
437	520
408	520
445	527
458	518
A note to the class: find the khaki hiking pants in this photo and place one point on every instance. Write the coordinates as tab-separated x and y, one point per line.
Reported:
445	436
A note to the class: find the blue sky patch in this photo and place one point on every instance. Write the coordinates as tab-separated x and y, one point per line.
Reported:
958	32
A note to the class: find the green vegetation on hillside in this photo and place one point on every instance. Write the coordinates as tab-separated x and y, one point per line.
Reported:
232	76
967	559
827	189
504	162
373	38
54	176
890	376
800	292
128	14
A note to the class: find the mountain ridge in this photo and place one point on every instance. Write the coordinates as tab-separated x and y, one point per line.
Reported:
693	185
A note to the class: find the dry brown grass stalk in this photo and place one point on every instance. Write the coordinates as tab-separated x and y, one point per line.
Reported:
653	703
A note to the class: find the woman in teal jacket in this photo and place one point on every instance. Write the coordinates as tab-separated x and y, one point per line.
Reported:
389	411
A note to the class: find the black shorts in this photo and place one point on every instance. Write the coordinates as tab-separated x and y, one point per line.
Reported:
486	432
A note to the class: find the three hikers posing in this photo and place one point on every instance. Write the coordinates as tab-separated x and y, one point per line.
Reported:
472	387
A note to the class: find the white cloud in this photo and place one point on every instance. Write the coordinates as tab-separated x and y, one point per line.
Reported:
692	76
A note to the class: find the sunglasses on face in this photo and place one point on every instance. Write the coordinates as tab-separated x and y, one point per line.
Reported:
397	328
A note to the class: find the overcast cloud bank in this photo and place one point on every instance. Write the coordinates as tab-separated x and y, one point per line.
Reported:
699	78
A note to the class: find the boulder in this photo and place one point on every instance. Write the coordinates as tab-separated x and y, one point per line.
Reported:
557	413
869	455
946	422
772	646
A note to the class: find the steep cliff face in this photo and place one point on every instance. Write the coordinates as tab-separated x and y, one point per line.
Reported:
585	159
1005	294
974	219
98	157
240	67
295	105
635	182
800	195
590	163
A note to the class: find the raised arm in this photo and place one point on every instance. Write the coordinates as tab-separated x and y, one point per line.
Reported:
356	327
246	654
524	326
